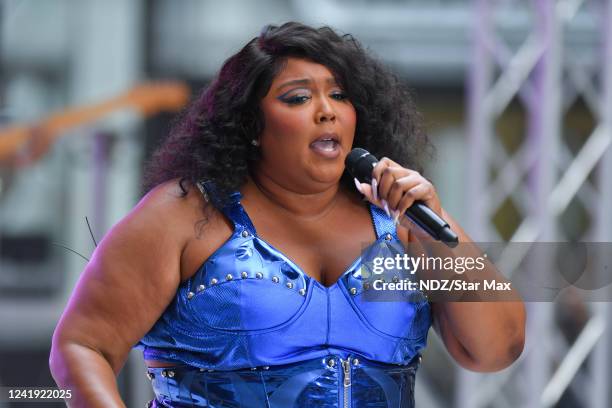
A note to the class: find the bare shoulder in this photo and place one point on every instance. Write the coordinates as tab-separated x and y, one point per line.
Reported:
132	276
168	201
194	226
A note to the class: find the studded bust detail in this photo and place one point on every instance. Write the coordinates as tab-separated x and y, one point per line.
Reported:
247	270
290	284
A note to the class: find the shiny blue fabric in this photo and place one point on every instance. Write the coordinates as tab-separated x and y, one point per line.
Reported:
314	383
250	306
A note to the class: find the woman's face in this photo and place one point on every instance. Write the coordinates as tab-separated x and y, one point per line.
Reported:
309	128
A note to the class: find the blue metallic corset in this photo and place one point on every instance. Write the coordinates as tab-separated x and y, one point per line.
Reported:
251	326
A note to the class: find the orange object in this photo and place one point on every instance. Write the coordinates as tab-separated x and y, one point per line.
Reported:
23	144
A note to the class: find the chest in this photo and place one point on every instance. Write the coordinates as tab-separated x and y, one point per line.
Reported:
323	248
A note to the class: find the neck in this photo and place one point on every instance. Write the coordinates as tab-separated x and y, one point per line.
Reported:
295	203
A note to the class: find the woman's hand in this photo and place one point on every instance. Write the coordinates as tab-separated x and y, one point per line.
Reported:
395	188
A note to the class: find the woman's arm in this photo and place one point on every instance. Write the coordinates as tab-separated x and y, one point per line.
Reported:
481	336
131	278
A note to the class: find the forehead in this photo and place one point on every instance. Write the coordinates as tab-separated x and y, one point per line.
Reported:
298	68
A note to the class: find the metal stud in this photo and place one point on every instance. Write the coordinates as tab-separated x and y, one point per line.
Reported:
259	275
244	275
266	368
201	288
245	233
388	237
355	361
290	285
171	374
353	291
202	370
229	277
302	291
275	279
163	373
331	362
190	295
253	368
150	376
213	281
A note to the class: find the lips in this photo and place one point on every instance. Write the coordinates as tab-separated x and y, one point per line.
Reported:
327	145
327	138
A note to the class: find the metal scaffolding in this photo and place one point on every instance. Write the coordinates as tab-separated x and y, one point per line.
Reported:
541	177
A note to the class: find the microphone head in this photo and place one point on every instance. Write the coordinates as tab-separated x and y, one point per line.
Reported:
359	163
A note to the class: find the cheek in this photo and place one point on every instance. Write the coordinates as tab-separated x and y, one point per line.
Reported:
279	139
353	117
350	117
283	123
347	112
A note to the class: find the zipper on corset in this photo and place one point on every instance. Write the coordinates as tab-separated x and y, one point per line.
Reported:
346	380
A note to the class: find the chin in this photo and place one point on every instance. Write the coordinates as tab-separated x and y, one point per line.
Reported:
328	178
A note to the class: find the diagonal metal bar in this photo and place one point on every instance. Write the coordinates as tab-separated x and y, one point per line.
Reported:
577	354
590	154
567	10
508	182
503	57
587	195
517	71
511	174
561	196
578	171
584	85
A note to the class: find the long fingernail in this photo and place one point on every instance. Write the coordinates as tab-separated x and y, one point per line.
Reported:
386	207
358	185
374	189
396	216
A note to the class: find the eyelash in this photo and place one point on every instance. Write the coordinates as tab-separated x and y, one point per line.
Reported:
299	99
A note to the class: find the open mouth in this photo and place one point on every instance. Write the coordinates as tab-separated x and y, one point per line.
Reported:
328	144
324	144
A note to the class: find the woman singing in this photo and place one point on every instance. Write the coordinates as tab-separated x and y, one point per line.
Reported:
239	273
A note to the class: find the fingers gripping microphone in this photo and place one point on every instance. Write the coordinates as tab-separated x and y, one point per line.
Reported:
359	164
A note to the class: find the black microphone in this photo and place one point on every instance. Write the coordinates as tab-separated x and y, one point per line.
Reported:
360	163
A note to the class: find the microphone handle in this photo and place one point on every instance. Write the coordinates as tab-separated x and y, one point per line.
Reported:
431	223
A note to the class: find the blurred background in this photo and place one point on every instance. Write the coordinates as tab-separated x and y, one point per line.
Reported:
516	96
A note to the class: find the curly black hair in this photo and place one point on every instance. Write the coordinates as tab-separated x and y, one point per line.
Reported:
212	140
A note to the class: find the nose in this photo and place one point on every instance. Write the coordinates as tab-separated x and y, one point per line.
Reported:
325	112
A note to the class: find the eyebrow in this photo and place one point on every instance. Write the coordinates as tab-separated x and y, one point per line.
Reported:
304	81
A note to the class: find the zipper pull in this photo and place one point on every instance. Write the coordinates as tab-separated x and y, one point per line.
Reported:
346	367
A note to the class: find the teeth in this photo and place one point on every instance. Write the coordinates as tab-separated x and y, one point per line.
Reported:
327	144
